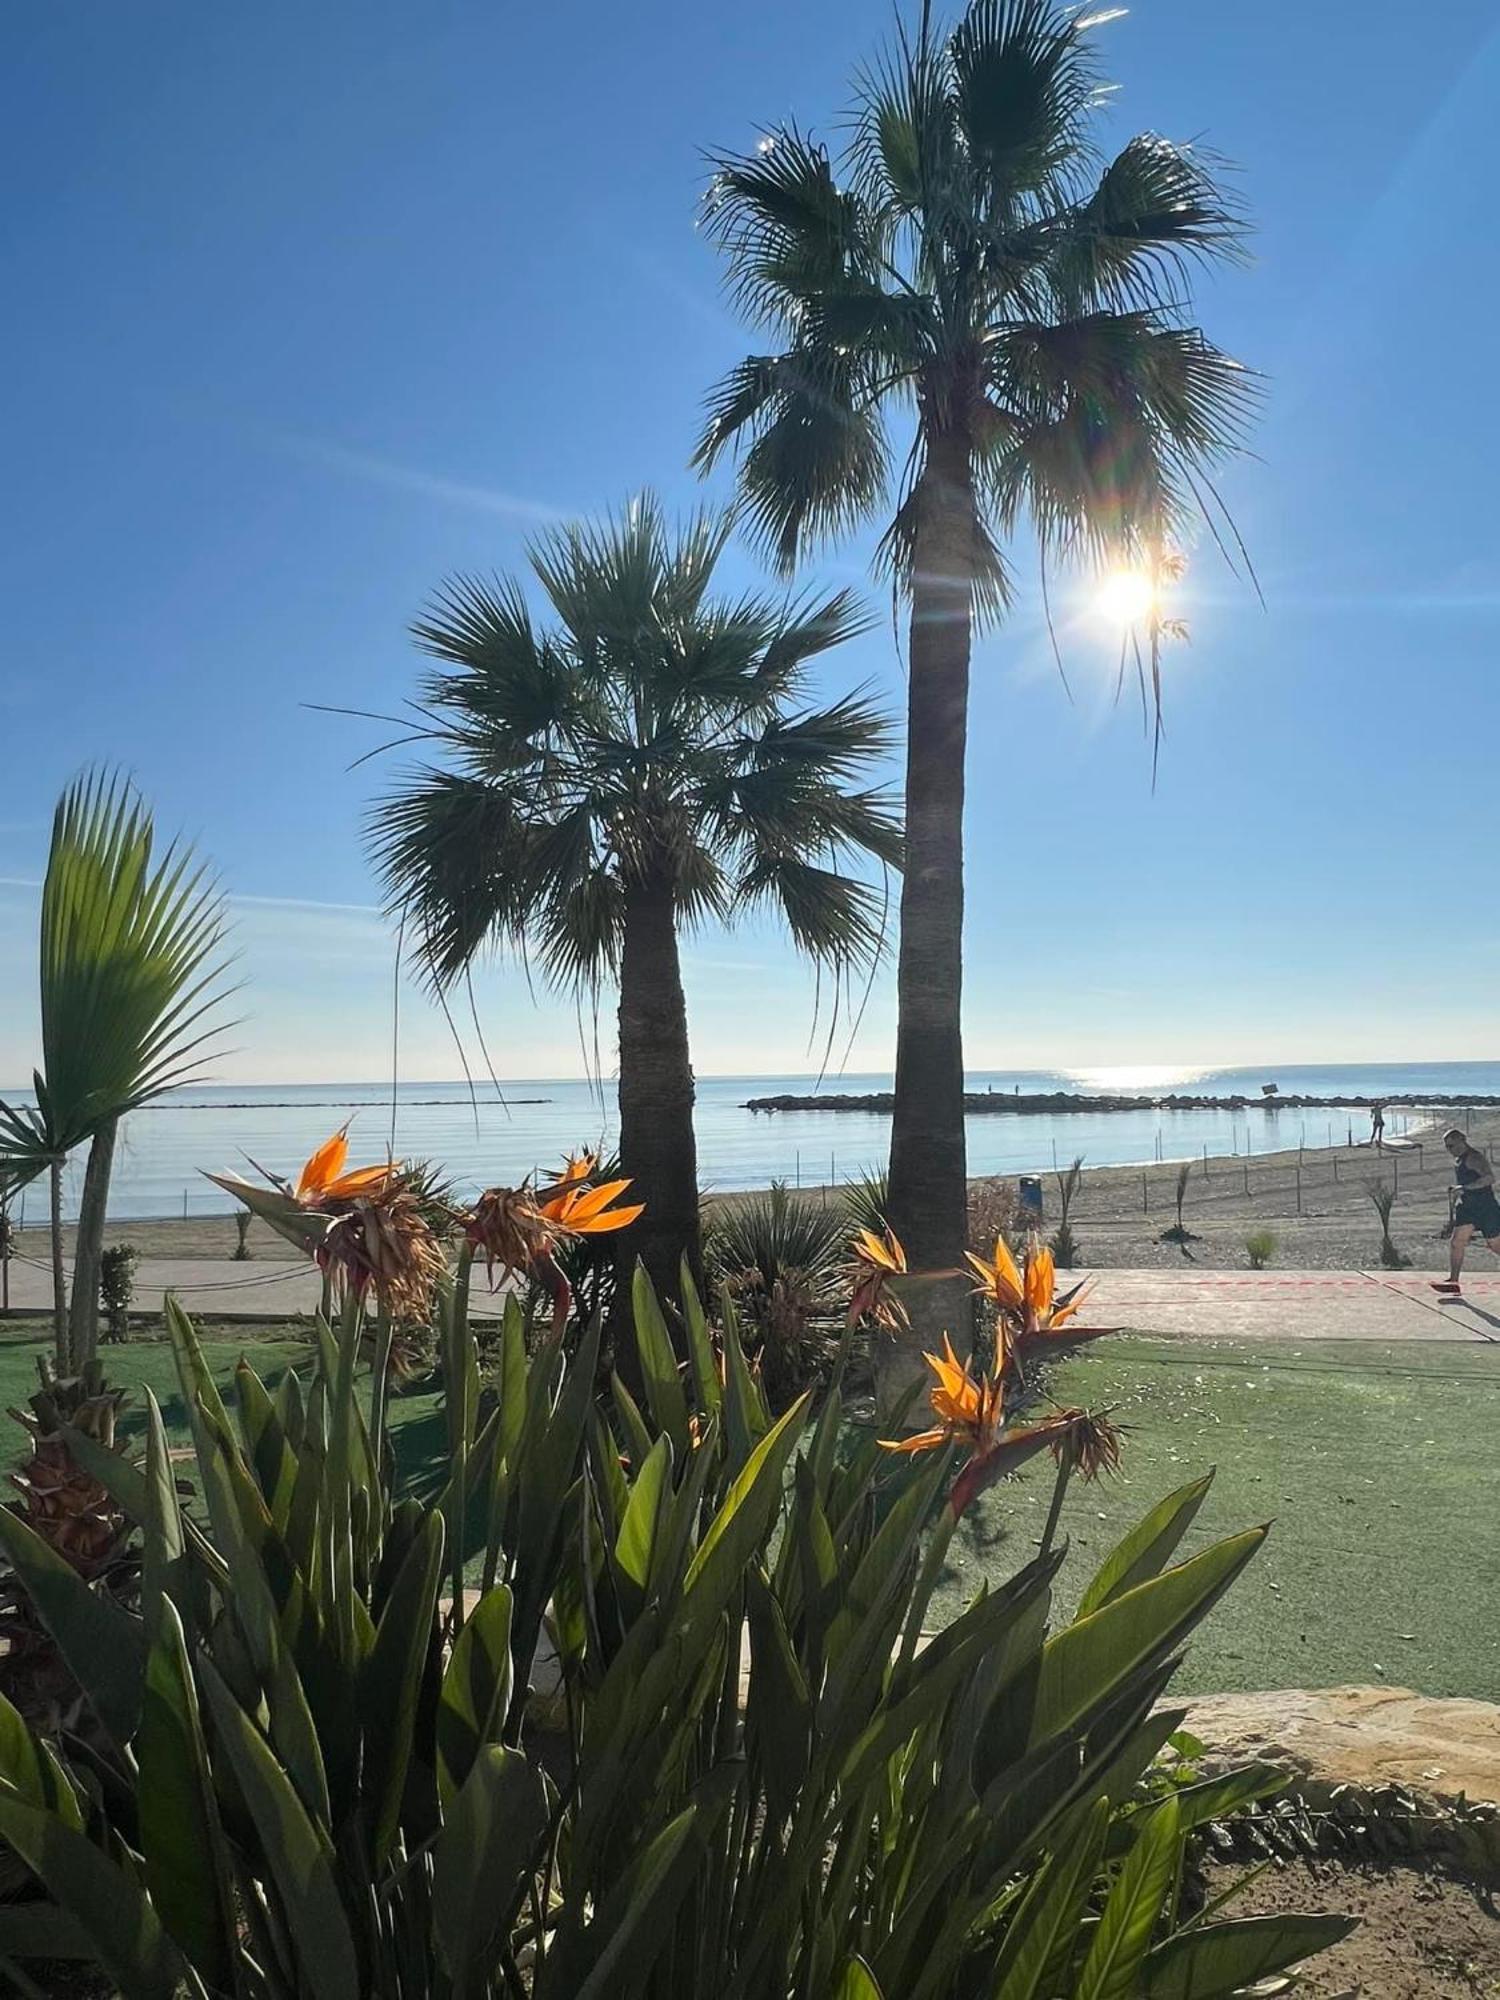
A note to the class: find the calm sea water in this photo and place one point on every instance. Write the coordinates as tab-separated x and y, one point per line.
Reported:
165	1149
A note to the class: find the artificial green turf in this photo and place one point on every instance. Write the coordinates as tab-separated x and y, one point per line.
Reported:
1378	1465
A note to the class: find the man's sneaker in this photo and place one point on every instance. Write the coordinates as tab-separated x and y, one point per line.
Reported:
1448	1285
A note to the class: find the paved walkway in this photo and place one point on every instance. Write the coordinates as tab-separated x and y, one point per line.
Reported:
1295	1305
1269	1305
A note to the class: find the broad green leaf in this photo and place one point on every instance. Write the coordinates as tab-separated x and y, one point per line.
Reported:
746	1419
1122	1939
391	1681
1216	1798
857	1982
1147	1549
103	1645
187	1866
476	1690
744	1517
700	1346
1087	1661
165	1539
121	1479
643	1510
42	1930
99	1895
779	1716
664	1392
1223	1959
270	1454
1042	1931
637	1436
30	1767
490	1841
295	1854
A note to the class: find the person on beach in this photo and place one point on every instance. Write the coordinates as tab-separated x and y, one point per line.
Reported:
1377	1127
1477	1208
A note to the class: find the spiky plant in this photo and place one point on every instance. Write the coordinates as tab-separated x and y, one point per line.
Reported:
1383	1200
865	1201
1064	1243
780	1258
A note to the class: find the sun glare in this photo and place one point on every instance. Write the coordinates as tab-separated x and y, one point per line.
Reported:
1125	597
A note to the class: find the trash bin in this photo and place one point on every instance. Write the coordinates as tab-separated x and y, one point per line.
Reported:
1029	1198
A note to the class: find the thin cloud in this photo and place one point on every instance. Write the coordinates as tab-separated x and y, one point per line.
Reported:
413	479
305	903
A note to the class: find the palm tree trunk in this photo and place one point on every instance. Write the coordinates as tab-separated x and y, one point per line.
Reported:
658	1149
89	1245
59	1281
928	1197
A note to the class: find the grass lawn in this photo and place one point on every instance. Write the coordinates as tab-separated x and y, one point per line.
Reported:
417	1428
1377	1464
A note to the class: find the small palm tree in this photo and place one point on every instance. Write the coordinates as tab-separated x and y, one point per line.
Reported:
132	966
648	761
972	291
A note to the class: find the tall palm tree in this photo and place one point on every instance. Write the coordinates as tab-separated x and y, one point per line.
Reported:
646	761
131	962
974	287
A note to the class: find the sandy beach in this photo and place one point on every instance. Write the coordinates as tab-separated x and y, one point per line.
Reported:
1314	1200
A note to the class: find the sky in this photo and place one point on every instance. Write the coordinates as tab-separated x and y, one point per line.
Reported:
310	308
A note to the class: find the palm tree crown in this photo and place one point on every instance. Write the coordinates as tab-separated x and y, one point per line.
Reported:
976	263
654	736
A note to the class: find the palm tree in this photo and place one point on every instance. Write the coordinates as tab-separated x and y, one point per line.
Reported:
974	285
131	968
646	762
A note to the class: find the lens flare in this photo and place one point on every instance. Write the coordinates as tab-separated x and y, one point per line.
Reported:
1125	597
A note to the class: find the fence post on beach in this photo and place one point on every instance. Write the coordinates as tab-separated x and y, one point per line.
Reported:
1395	1173
1206	1174
1335	1166
1299	1187
1145	1194
184	1204
1246	1171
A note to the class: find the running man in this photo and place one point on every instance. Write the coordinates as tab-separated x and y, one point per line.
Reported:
1477	1208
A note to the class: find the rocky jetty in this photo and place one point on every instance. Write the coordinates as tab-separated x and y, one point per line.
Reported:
1002	1101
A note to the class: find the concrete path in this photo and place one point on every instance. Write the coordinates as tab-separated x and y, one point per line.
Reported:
1271	1305
1295	1305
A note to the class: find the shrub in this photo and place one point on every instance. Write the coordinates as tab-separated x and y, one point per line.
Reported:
864	1202
780	1256
117	1288
1260	1246
242	1221
1178	1232
317	1776
1064	1243
993	1211
1383	1200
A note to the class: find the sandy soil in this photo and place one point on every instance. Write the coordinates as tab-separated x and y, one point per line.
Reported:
1421	1936
1120	1212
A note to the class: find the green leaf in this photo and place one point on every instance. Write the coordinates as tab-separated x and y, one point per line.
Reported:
1042	1933
103	1645
165	1539
1084	1663
744	1517
1147	1549
664	1391
294	1853
391	1681
30	1768
700	1346
42	1930
476	1690
122	1481
187	1866
266	1443
779	1716
1112	1968
637	1536
99	1895
633	1924
746	1419
1223	1959
857	1982
488	1846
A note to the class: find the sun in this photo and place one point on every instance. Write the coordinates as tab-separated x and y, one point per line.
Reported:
1125	597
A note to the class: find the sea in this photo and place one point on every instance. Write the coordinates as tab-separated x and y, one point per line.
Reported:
488	1134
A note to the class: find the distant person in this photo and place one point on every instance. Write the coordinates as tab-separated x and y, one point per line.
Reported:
1377	1127
1476	1210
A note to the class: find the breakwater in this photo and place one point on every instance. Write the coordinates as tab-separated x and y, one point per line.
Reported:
1002	1102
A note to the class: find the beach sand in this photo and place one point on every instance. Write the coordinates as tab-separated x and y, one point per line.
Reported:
1120	1212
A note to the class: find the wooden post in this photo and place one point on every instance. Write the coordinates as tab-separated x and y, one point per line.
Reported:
1395	1173
1145	1194
1246	1171
1299	1187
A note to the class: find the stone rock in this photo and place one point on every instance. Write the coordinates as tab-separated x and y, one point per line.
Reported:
1364	1736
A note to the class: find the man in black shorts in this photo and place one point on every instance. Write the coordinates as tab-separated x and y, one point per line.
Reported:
1477	1209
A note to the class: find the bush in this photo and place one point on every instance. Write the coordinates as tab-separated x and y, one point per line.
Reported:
994	1210
117	1288
316	1775
242	1221
780	1257
1383	1200
1065	1243
1260	1246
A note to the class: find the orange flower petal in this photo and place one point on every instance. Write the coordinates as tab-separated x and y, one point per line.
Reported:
588	1201
600	1225
1041	1278
924	1441
325	1165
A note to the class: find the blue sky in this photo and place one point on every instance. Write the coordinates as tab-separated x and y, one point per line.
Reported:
311	306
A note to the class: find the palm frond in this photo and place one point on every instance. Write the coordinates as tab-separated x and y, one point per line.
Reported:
818	463
834	921
1023	80
1156	211
785	226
